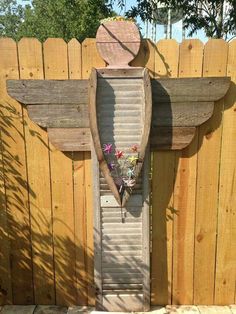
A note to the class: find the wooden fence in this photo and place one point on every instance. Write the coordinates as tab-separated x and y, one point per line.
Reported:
46	214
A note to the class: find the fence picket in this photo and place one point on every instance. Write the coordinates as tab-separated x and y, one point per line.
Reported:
56	67
75	72
31	67
209	145
166	64
16	184
190	65
226	247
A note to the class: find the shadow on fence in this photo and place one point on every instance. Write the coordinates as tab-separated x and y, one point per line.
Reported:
29	267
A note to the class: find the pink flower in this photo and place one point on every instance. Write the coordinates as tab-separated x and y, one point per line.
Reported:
134	148
119	154
107	148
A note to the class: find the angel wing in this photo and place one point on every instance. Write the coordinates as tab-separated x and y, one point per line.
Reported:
179	106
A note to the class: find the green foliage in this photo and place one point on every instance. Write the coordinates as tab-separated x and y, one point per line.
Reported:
11	16
216	17
53	18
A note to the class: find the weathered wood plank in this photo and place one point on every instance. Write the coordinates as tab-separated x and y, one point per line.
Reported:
165	114
182	113
122	73
37	152
162	138
49	91
55	116
167	138
70	139
76	91
189	89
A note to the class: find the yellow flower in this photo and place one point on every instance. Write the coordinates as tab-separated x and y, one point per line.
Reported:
133	159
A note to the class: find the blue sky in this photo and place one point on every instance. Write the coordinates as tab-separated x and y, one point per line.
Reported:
176	29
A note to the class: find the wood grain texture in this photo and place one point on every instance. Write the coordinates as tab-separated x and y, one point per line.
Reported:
185	190
189	89
75	72
168	138
74	59
215	60
162	138
33	91
6	294
62	191
226	248
119	73
37	152
16	186
118	43
166	65
146	57
89	228
182	114
97	231
164	114
69	140
76	91
56	116
90	57
80	226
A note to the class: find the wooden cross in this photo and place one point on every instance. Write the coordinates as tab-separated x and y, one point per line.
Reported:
121	106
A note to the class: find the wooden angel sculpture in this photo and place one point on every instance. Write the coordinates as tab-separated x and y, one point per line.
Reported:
125	110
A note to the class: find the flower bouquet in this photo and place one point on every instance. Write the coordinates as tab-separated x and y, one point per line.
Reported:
122	166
